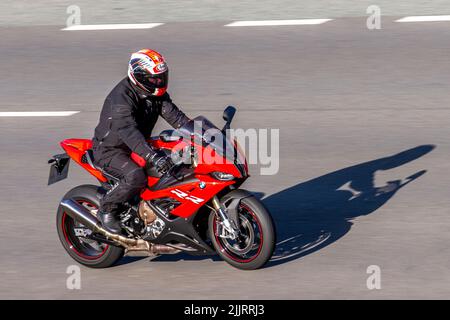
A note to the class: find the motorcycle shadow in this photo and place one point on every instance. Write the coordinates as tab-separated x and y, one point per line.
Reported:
313	214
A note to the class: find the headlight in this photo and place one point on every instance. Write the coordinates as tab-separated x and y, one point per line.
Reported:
222	176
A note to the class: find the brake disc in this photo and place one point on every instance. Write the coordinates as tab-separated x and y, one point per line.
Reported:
248	241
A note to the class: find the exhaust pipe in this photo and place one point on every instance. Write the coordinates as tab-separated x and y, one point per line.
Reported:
81	214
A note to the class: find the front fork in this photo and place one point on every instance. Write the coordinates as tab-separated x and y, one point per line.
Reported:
229	228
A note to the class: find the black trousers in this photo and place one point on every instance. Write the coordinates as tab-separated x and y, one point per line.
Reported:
132	180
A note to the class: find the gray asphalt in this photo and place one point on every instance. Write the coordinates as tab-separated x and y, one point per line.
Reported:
54	12
355	106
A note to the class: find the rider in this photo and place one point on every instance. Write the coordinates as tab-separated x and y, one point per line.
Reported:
128	116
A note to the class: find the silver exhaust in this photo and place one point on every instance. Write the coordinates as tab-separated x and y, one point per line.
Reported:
81	214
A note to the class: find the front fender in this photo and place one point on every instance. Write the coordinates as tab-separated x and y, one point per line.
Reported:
232	200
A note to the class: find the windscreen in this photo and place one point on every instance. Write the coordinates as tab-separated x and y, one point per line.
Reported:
208	135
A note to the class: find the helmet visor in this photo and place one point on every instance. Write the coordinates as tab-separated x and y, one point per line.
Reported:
154	81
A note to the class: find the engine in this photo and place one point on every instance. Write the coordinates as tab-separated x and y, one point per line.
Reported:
153	225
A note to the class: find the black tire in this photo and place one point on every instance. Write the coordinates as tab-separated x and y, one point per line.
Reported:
91	254
250	207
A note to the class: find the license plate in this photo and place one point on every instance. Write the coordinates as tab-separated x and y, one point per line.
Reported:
59	168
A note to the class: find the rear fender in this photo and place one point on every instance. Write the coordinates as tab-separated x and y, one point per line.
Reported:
59	168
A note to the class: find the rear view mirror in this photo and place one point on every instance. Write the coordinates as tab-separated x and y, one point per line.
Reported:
228	115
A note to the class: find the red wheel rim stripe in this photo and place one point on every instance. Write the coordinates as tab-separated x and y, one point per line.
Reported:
72	246
259	248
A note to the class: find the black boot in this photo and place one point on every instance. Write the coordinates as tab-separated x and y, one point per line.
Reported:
109	221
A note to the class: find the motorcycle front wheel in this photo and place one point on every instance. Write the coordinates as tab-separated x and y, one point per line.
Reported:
256	243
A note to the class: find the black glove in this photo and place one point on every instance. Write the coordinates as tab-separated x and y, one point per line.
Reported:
161	162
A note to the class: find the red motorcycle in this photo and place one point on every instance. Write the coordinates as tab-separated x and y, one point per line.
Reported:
197	207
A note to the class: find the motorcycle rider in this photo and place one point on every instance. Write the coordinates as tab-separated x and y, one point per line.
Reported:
128	116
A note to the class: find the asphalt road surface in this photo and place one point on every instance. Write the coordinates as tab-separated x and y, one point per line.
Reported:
56	12
359	108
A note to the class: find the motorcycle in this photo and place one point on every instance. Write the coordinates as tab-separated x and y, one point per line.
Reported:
197	207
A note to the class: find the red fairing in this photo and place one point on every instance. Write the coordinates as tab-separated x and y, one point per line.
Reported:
193	194
190	195
76	148
209	160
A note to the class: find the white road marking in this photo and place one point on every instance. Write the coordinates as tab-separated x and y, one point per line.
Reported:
88	27
38	114
276	22
424	19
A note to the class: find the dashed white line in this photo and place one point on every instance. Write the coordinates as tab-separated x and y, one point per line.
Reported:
276	22
89	27
424	19
38	113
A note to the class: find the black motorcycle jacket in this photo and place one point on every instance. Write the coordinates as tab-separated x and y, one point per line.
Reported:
127	120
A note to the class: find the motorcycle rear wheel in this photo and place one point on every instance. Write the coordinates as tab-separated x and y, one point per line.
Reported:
87	252
257	242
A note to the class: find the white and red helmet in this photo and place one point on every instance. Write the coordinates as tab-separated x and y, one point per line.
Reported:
148	70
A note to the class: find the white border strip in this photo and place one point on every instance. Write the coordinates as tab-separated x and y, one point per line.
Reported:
89	27
276	22
38	114
424	19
